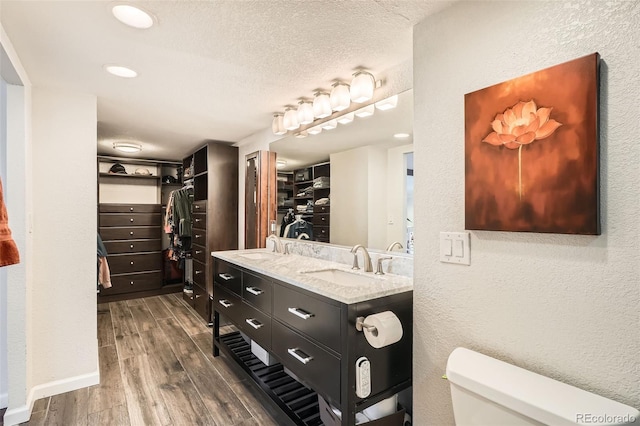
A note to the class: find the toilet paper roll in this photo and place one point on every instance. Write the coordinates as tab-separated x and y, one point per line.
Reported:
388	329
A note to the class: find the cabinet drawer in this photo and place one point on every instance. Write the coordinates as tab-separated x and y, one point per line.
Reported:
200	207
130	219
228	276
129	208
257	292
227	303
321	233
132	246
199	253
201	302
130	283
200	273
130	233
200	220
199	236
312	364
129	263
321	219
256	324
312	317
321	209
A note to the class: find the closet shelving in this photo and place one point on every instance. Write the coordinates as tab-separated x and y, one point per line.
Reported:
130	212
320	215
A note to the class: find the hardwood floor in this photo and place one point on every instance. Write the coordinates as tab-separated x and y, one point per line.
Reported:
157	368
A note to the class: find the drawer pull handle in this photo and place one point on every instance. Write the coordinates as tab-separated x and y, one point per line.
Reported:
198	272
131	219
303	359
198	220
300	313
254	290
131	282
131	233
225	303
131	246
198	236
226	277
197	207
198	295
131	209
198	251
254	323
132	262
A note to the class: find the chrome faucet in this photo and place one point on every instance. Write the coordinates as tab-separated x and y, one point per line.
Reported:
394	245
379	270
305	235
287	248
277	243
365	254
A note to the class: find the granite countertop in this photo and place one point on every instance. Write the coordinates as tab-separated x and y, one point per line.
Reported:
290	268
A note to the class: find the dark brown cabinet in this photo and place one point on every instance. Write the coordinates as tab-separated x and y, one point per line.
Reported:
311	189
132	236
311	336
215	216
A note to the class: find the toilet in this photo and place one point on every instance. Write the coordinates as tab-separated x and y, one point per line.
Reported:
486	391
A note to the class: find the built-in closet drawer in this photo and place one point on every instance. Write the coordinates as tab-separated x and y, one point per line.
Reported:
257	292
199	220
199	253
130	219
228	276
199	236
321	233
201	301
257	325
316	318
321	209
227	303
200	273
129	208
319	368
128	263
132	246
129	233
321	220
130	283
200	206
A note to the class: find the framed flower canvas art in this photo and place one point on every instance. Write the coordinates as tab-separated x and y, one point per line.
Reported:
532	154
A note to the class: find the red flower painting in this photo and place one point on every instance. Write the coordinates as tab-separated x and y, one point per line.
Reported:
550	118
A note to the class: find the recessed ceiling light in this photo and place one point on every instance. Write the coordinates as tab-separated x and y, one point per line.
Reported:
127	146
281	163
132	16
119	71
401	135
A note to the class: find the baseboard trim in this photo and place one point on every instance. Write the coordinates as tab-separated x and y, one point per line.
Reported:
4	400
22	414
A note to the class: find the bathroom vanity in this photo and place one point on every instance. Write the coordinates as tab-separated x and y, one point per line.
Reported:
303	311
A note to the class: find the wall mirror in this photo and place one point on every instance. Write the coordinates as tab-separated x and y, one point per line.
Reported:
371	178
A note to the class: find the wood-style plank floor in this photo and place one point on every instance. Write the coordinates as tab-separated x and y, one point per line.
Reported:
157	368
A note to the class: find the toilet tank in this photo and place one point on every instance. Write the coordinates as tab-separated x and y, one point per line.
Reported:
486	391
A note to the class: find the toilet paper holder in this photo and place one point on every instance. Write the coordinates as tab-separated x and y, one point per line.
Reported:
360	324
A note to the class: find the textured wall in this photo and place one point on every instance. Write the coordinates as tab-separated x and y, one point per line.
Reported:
563	306
63	309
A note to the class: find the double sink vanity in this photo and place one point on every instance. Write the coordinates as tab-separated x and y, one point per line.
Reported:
299	311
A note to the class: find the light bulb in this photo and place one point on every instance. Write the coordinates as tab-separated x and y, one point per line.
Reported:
290	119
321	105
277	125
305	112
362	87
340	97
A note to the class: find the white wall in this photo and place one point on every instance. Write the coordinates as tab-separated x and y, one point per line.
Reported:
350	197
560	305
64	336
396	188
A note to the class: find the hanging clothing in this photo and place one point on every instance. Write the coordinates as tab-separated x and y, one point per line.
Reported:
8	250
182	200
178	222
300	227
288	218
104	275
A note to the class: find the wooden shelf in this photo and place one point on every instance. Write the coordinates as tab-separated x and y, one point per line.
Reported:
306	197
120	175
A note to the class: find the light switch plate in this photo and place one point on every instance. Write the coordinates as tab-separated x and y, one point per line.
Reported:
461	250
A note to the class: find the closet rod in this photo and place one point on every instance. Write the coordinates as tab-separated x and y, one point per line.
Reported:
129	160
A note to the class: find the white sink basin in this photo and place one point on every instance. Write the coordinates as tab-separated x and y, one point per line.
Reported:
257	256
340	276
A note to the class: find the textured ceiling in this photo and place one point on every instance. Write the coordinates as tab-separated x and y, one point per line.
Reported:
208	70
